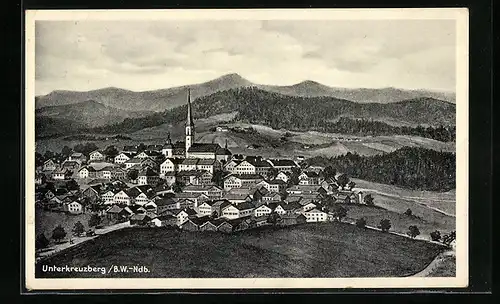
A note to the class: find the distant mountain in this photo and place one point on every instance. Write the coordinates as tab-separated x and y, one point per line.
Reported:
362	95
84	114
280	111
164	99
157	100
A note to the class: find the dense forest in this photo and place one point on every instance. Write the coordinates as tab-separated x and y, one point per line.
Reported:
408	167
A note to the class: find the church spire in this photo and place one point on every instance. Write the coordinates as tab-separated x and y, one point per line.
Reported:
226	144
189	120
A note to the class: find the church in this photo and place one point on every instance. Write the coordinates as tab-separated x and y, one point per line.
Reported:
190	148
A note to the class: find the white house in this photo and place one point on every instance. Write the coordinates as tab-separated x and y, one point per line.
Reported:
209	165
262	210
169	165
96	155
283	176
244	167
316	215
234	212
188	164
107	197
122	158
75	207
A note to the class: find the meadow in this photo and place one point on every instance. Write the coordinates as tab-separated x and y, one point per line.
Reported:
310	251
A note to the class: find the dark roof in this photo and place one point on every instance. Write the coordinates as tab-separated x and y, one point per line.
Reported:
190	161
258	162
175	160
190	211
244	206
246	176
132	192
292	206
114	209
191	173
276	182
283	162
204	147
165	201
311	174
148	172
223	151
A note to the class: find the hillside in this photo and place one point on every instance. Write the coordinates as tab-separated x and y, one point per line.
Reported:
163	99
296	113
87	113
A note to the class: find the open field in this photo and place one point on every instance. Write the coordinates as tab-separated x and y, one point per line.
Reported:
308	144
440	201
310	250
46	221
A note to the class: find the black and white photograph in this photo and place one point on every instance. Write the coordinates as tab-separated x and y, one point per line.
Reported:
246	148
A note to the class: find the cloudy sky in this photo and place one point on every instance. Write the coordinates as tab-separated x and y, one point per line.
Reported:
137	55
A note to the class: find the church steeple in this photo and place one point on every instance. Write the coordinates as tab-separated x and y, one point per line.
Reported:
189	120
189	124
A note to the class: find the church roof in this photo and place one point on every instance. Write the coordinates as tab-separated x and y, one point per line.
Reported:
204	147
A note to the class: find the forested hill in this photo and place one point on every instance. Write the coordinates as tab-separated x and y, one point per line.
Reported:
297	113
408	167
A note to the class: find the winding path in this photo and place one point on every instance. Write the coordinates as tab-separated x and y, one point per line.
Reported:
434	264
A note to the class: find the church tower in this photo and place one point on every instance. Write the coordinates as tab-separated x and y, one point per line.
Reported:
189	124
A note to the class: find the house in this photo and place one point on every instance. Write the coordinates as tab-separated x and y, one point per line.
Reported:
285	165
292	208
209	165
190	177
170	165
186	203
169	178
225	227
241	180
293	219
74	207
39	179
96	156
133	162
262	210
309	206
284	176
49	194
210	225
230	166
123	157
188	164
92	193
79	157
140	219
271	197
130	149
218	205
204	150
144	198
49	165
244	167
107	197
202	178
306	189
237	211
210	191
118	173
71	165
309	178
190	225
166	203
167	220
260	166
183	214
242	223
148	176
87	172
194	197
113	213
205	208
315	215
237	198
277	208
276	185
221	129
61	174
142	155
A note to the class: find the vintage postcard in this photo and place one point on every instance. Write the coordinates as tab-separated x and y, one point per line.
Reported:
212	149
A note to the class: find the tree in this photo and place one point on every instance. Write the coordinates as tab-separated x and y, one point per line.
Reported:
94	220
413	231
361	223
385	225
368	199
351	185
41	241
141	147
343	180
133	174
272	173
72	185
66	151
111	151
218	178
58	233
215	215
178	186
48	155
85	148
408	212
436	236
329	172
449	238
339	212
78	228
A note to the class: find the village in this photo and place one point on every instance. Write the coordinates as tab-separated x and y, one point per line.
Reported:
193	186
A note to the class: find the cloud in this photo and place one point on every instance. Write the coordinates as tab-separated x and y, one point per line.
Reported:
141	55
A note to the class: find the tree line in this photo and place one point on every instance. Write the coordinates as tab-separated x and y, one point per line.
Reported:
407	167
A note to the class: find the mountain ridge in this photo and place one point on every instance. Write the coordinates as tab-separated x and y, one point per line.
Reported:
163	99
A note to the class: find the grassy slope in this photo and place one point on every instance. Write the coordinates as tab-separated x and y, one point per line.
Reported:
312	250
